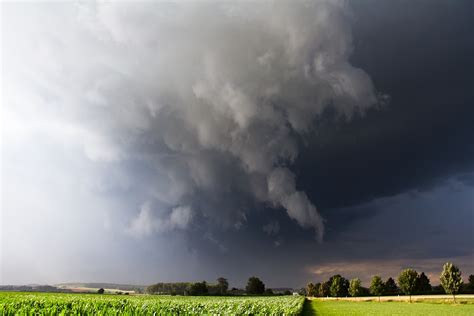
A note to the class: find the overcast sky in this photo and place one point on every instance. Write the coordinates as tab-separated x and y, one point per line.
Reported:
151	141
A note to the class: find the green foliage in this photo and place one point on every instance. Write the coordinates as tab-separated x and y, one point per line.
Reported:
377	286
338	286
469	287
268	292
390	287
198	288
168	288
355	287
450	278
407	281
423	285
15	303
100	291
222	285
311	290
255	286
324	289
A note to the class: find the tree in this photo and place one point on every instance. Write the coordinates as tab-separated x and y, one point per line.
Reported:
407	281
317	289
391	287
198	288
355	287
469	286
423	285
324	289
223	285
311	289
451	279
268	292
100	291
255	286
338	286
376	286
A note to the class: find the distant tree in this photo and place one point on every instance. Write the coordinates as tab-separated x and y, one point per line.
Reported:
311	289
468	287
317	289
451	279
287	292
198	288
437	289
338	286
423	285
407	281
391	287
255	286
100	291
377	286
324	289
223	285
355	287
268	292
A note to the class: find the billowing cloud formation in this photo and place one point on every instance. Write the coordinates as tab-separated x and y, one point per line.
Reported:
211	99
147	222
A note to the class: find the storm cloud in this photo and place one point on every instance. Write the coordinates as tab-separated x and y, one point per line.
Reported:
210	98
185	140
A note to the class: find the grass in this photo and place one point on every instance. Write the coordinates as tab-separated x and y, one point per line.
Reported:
323	307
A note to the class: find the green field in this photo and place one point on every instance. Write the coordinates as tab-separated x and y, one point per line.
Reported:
21	303
12	303
354	308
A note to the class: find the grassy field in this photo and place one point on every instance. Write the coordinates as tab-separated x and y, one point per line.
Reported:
15	303
423	306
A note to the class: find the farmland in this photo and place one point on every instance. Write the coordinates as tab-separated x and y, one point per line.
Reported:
390	306
66	304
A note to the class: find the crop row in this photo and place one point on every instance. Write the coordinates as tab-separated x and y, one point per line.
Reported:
86	304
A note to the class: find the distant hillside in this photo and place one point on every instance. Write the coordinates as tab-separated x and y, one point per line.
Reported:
111	286
33	288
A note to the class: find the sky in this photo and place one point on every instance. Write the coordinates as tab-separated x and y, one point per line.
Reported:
148	142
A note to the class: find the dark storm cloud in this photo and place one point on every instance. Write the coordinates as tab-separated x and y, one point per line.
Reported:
422	58
209	157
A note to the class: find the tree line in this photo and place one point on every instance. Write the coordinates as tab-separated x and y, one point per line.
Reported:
409	282
254	287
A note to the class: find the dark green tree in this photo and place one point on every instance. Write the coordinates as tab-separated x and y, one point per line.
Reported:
324	289
255	286
407	281
338	286
355	287
470	284
377	286
391	287
451	279
311	289
223	285
317	289
198	288
100	291
423	285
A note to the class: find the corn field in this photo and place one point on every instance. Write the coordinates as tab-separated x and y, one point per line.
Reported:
16	303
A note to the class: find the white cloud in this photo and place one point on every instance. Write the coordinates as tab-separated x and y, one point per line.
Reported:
149	221
210	98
